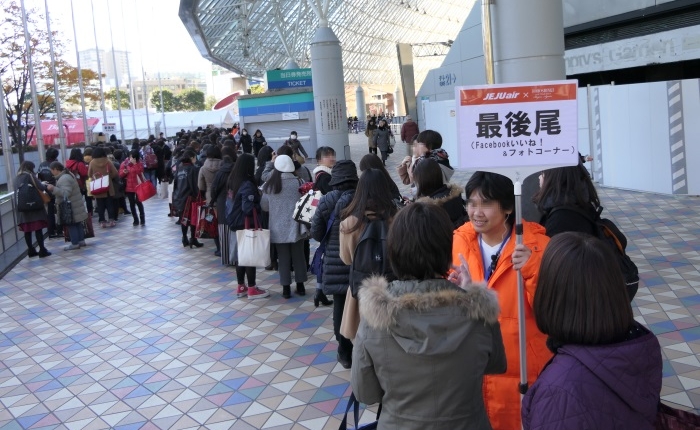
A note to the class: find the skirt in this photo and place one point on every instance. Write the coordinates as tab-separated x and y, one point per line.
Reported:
28	227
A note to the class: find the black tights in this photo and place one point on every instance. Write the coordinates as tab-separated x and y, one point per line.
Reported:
134	203
39	238
184	231
243	272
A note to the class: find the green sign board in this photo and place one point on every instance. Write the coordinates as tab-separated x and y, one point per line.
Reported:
293	78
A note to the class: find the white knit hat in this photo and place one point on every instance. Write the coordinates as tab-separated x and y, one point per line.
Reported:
284	164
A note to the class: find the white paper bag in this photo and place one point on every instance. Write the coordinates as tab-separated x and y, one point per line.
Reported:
253	248
163	190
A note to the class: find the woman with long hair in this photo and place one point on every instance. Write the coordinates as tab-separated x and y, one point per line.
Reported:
100	165
219	192
371	161
425	344
184	190
280	196
430	188
34	219
206	178
76	164
132	170
246	200
607	368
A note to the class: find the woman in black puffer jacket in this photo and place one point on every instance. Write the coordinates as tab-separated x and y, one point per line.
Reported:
336	275
430	189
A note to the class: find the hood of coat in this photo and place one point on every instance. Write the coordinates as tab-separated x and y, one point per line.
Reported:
212	164
321	169
430	317
630	369
443	195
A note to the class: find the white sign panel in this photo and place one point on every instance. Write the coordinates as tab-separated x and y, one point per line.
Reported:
517	128
109	127
286	116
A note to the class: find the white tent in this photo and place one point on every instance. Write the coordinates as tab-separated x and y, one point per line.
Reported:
169	123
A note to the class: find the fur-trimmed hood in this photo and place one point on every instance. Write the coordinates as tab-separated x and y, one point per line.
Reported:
428	317
440	197
320	168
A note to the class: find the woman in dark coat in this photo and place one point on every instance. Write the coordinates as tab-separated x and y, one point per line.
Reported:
246	142
219	193
431	189
382	139
258	142
336	275
185	189
33	220
369	132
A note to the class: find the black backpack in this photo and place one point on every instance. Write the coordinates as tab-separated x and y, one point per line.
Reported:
44	173
607	231
369	257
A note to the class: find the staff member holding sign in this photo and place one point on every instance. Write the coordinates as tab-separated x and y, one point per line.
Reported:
484	249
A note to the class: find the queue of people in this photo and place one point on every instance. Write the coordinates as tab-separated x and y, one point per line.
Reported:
433	335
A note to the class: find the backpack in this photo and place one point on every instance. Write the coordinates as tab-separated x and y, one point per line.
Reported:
610	234
369	257
150	159
44	173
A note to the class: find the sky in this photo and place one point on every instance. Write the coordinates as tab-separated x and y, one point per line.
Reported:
151	29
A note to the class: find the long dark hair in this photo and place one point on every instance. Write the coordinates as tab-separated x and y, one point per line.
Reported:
427	177
274	184
373	194
243	170
76	155
566	186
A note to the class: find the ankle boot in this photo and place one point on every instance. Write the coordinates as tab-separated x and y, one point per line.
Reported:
301	290
319	297
194	242
185	241
286	291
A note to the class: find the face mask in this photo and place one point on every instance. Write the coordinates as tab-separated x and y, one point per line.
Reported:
244	133
294	136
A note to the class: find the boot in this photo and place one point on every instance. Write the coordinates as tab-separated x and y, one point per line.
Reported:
43	252
185	241
319	297
194	242
301	290
286	291
143	219
136	220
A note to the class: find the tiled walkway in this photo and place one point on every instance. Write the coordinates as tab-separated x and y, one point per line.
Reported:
138	332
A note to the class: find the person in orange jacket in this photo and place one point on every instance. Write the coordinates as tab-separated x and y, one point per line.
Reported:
484	249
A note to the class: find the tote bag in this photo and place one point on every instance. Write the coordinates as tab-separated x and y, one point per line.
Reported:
306	207
253	245
144	190
99	184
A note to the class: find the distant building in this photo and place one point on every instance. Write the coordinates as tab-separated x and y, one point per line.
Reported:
174	85
89	59
224	82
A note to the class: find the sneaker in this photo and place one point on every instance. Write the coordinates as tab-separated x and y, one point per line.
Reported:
256	293
103	224
82	243
242	290
113	223
71	247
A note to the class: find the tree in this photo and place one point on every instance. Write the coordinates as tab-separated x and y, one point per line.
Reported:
170	102
191	100
209	102
257	89
111	97
14	61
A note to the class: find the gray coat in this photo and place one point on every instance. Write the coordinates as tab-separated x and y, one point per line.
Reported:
206	175
382	138
302	172
422	349
67	185
31	216
283	228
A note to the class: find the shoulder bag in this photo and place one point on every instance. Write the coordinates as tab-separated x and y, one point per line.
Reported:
65	211
307	204
354	404
253	244
145	189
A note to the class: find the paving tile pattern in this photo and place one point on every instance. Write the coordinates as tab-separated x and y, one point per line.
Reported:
137	332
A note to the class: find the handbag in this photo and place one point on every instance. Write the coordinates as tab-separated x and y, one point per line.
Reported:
306	207
88	231
299	158
317	261
668	418
196	204
351	317
207	226
145	189
99	184
29	197
88	183
65	211
354	404
253	244
163	190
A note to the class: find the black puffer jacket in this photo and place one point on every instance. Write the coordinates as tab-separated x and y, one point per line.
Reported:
449	197
336	275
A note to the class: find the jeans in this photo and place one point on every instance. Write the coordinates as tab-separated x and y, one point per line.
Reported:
107	203
76	233
151	175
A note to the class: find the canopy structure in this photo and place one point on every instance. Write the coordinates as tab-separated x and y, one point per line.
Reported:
252	36
73	130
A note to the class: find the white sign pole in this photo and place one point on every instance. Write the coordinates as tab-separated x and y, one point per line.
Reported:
516	130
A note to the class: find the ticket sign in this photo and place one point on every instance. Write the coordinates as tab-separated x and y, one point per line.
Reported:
525	127
291	78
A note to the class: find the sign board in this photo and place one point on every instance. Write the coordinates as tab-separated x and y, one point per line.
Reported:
518	129
109	127
286	116
292	78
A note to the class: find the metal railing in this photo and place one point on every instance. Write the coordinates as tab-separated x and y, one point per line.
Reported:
9	234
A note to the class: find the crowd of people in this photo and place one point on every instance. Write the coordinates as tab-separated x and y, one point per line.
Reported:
433	335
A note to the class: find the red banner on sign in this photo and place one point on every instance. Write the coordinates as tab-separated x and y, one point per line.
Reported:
517	94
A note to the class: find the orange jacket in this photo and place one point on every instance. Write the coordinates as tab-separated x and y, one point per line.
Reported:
501	395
